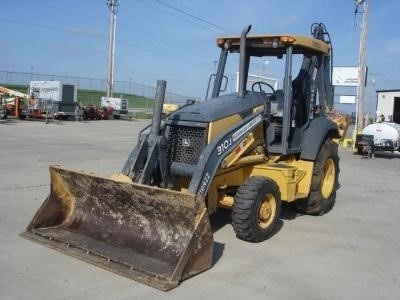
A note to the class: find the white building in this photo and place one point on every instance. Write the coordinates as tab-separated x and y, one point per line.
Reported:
388	104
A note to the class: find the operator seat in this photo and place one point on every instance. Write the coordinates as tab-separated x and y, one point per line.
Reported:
277	104
274	130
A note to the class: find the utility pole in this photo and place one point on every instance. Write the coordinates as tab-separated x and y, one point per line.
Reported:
362	67
113	6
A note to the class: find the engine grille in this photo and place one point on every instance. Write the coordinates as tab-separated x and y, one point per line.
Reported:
185	144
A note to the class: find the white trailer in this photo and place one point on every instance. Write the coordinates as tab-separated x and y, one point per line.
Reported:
55	96
53	90
119	105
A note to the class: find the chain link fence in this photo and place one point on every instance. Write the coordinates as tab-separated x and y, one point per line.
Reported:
95	84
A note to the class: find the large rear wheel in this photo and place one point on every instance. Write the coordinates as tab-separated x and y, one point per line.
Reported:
256	209
324	181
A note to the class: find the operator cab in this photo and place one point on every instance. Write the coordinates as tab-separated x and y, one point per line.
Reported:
291	105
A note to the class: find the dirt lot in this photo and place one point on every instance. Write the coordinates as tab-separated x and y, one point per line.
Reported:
353	252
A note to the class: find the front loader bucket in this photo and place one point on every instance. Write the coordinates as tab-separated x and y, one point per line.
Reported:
156	236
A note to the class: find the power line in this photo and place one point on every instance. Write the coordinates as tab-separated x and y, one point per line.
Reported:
152	41
53	28
99	35
193	16
147	41
176	16
384	77
163	54
147	49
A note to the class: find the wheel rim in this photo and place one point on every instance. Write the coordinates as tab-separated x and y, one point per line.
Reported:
267	211
328	180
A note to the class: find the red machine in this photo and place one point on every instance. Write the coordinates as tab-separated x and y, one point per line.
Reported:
15	105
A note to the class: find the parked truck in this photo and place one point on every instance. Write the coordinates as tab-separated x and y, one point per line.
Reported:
119	106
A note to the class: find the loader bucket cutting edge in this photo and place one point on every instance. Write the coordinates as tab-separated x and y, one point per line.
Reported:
155	236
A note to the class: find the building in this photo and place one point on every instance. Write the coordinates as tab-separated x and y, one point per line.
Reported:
388	104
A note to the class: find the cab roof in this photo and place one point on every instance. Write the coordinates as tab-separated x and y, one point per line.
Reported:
276	45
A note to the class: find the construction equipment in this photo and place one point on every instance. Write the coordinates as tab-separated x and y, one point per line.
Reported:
118	106
245	151
13	103
93	112
45	109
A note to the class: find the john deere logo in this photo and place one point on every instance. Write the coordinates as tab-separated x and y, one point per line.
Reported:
186	142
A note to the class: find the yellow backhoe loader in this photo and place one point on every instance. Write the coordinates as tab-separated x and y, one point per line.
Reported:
246	151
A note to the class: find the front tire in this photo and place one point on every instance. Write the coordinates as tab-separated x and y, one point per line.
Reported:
324	182
256	209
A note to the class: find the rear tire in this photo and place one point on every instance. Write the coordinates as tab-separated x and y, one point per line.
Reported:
256	209
324	182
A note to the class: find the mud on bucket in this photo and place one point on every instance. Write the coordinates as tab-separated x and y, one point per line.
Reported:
156	236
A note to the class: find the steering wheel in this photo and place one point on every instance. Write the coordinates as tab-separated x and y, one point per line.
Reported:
260	84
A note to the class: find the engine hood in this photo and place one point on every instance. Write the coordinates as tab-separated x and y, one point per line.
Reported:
219	108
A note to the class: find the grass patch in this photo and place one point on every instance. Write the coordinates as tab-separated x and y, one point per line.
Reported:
143	115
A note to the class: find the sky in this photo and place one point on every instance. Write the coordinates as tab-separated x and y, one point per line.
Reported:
174	40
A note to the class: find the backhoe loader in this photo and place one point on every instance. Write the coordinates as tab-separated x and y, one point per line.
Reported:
246	151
